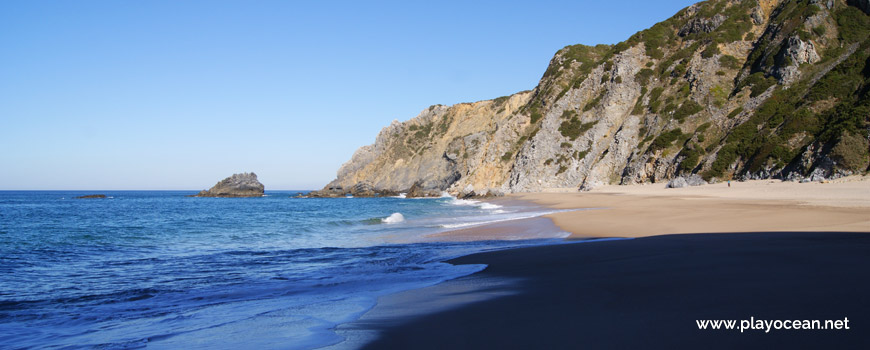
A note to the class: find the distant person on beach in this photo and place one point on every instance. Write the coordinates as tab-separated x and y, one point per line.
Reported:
729	183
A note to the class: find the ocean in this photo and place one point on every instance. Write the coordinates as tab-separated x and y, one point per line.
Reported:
163	270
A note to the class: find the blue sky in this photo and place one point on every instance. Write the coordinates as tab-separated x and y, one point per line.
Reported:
180	94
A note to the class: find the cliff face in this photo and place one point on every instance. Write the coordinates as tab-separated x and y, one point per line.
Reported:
238	185
724	89
441	147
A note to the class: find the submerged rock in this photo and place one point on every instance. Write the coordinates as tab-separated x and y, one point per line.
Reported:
362	189
238	185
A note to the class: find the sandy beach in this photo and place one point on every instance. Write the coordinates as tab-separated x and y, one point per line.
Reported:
758	249
751	206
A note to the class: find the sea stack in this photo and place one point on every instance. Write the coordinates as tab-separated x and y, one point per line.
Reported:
238	185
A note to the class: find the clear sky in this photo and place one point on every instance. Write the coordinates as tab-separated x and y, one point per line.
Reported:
180	94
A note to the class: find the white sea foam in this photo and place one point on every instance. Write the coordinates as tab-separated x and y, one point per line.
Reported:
401	195
476	203
489	206
463	202
394	218
486	222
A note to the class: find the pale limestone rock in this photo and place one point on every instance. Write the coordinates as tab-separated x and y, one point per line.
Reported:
488	145
795	53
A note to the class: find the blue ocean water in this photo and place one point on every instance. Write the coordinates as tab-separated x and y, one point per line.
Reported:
162	270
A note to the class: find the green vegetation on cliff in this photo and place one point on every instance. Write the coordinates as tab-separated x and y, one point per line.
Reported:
573	128
746	89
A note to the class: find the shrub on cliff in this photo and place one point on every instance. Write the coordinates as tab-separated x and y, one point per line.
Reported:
573	128
666	139
851	152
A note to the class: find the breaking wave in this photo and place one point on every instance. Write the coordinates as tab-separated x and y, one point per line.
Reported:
394	218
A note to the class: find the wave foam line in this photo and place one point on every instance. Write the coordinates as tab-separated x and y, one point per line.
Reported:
470	202
478	223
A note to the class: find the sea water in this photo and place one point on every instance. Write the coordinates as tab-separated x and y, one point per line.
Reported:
163	270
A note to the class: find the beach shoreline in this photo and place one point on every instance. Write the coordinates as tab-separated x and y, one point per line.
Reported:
744	237
751	206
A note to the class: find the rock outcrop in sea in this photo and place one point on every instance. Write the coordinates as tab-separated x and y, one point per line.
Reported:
238	185
91	196
725	89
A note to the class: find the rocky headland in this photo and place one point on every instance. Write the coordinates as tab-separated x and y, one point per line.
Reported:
238	185
725	89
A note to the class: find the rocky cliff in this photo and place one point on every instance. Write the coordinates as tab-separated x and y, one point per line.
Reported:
238	185
724	89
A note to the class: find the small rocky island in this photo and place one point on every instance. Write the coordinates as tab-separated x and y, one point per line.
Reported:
91	196
238	185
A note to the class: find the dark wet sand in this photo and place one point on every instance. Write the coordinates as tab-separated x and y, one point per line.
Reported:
642	293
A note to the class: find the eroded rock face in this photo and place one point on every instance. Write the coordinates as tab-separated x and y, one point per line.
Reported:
439	149
795	53
601	115
702	25
417	191
680	181
238	185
